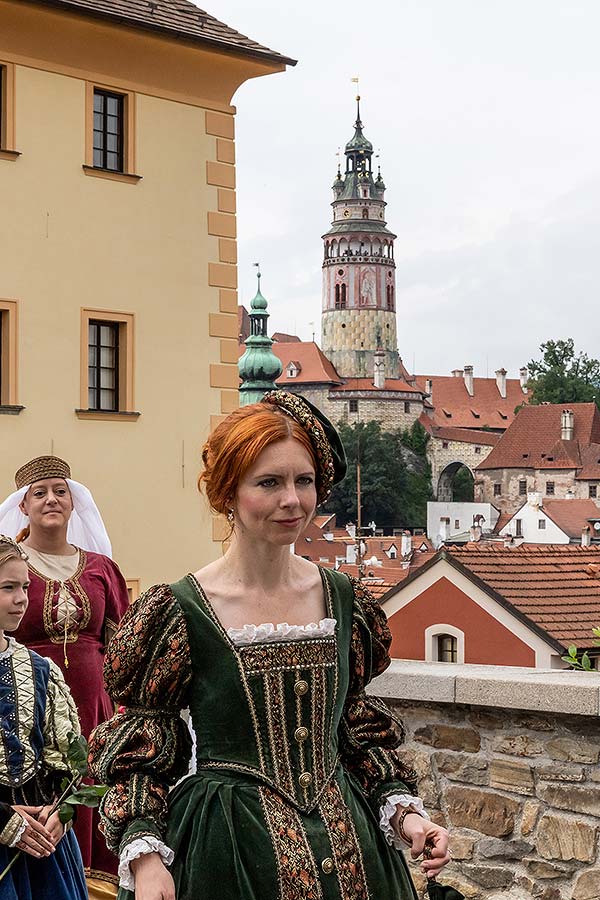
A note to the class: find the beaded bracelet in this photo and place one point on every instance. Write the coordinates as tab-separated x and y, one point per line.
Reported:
400	824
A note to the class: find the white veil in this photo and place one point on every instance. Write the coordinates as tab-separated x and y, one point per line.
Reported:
86	528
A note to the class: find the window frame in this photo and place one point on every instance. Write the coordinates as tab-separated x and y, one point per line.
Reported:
433	632
593	491
550	486
522	487
541	524
126	363
9	356
497	489
127	173
97	389
7	111
352	406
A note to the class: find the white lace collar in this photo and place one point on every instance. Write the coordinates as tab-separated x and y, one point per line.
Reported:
269	633
12	646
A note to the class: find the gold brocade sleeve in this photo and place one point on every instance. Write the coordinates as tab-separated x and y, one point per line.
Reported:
61	719
145	747
370	733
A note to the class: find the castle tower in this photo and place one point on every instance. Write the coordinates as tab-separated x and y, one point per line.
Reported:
359	289
258	367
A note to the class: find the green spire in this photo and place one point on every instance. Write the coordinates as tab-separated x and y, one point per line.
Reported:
258	367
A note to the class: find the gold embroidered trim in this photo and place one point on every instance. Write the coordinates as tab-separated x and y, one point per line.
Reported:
55	632
21	672
285	656
11	829
349	865
296	868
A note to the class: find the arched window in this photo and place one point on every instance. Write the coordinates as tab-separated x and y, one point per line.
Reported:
365	213
343	298
447	648
337	296
444	643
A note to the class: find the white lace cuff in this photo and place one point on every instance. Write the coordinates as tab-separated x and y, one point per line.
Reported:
19	834
136	848
387	812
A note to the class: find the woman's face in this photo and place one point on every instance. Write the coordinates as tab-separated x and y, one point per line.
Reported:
48	504
277	497
14	581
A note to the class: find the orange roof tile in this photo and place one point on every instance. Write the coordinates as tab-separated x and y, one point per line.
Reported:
533	440
391	384
451	433
556	587
284	338
314	365
453	405
590	462
571	515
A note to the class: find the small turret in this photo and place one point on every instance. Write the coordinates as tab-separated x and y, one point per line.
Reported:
258	367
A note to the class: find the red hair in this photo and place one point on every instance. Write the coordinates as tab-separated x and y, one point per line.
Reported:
235	445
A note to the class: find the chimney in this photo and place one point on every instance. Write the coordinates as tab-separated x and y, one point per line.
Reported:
524	378
406	544
457	373
475	534
429	387
379	368
501	382
351	529
508	541
534	499
586	536
567	425
468	376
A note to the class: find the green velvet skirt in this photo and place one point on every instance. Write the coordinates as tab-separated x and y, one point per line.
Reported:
236	840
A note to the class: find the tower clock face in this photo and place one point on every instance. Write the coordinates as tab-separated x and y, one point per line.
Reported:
346	213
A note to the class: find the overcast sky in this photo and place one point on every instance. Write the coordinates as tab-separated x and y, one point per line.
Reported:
487	115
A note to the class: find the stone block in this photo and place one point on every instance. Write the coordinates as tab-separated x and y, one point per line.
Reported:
559	772
541	869
564	838
461	846
573	750
415	681
570	797
494	848
449	737
461	767
531	810
518	745
534	691
489	876
587	886
481	811
511	775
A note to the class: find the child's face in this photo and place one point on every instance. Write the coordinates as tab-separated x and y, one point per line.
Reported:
14	581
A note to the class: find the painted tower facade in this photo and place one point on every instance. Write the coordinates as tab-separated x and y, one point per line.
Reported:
359	285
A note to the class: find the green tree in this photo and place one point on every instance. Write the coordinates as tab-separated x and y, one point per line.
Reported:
393	494
564	376
463	486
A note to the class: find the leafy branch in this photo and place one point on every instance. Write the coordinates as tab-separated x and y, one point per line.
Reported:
584	663
74	792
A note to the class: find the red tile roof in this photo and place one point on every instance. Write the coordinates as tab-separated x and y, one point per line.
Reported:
590	462
243	325
571	515
284	338
485	407
533	440
557	588
176	18
451	433
391	384
315	368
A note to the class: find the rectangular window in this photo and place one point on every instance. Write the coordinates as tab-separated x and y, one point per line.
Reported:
106	364
353	406
549	488
447	648
497	489
522	488
541	524
110	133
8	353
519	527
406	406
103	365
457	524
445	445
7	110
593	489
109	127
477	449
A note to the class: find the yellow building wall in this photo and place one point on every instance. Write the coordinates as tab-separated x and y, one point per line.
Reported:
69	241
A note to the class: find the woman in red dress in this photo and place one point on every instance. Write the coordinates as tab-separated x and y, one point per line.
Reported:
76	600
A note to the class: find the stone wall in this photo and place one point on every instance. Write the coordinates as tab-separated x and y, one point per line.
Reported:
510	500
384	407
440	457
508	760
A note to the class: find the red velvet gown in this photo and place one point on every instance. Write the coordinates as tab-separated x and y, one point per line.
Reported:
100	593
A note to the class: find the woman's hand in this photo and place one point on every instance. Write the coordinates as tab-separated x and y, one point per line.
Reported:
425	836
37	840
52	823
152	879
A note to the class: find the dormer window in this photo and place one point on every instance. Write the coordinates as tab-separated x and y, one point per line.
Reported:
293	369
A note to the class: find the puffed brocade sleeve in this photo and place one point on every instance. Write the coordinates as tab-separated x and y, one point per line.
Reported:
142	751
60	720
370	733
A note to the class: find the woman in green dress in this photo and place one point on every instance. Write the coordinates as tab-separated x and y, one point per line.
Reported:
299	792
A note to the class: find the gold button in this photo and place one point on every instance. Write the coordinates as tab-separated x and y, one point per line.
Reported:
301	734
305	779
327	865
301	687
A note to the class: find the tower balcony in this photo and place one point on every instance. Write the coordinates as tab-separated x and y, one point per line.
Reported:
357	257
